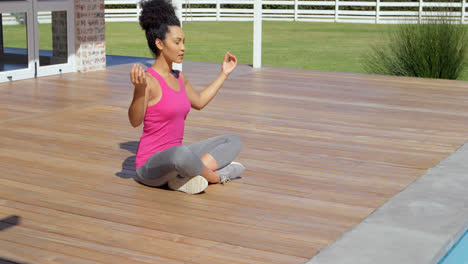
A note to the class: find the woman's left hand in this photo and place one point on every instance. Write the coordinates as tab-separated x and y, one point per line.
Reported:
229	63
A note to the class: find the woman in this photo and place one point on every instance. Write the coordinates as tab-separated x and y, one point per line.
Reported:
162	99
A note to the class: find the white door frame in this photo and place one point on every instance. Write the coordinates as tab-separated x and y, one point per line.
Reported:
54	5
23	7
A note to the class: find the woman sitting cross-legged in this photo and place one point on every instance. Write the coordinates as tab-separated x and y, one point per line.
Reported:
162	99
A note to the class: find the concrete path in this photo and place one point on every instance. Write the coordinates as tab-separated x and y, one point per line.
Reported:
418	225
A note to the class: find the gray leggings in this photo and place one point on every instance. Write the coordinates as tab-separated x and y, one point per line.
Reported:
185	159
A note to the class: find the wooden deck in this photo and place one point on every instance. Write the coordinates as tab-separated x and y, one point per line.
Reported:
322	150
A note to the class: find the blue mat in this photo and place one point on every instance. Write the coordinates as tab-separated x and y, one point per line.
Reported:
111	60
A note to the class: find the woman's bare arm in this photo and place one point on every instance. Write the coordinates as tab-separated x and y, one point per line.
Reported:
200	100
137	109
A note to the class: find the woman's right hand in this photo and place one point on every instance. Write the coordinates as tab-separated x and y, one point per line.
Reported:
138	77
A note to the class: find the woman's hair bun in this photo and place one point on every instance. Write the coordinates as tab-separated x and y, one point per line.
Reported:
155	13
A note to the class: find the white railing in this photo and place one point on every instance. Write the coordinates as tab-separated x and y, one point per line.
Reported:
10	19
331	11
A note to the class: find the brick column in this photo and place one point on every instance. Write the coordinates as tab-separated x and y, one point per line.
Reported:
90	35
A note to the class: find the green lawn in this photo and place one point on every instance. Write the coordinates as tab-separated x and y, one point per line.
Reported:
15	36
320	46
303	45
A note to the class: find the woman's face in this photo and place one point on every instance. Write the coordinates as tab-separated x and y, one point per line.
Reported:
173	47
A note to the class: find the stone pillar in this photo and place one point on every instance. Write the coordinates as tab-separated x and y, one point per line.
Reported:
90	35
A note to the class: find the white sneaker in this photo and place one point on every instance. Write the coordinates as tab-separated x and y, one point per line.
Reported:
192	185
232	171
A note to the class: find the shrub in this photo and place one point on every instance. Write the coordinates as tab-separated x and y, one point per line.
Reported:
431	49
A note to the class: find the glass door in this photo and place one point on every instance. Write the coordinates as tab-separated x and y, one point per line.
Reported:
16	40
54	27
36	38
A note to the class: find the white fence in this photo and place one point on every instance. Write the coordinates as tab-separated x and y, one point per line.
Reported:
19	18
329	11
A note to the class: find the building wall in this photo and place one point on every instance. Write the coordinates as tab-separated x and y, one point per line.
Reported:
90	39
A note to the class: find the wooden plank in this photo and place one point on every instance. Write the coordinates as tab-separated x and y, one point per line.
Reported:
241	233
322	151
74	248
18	253
146	240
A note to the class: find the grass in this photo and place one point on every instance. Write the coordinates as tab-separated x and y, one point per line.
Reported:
14	36
303	45
430	50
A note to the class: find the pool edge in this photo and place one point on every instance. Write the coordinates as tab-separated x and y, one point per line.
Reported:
418	225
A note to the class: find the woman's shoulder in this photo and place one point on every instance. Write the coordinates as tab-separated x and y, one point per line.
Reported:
152	83
149	78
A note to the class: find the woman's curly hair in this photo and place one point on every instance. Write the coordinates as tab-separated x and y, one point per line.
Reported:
156	16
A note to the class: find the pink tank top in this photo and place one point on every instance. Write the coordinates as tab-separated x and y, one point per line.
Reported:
164	122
